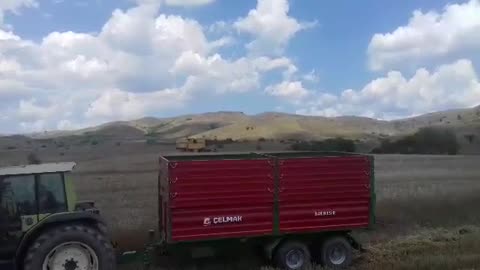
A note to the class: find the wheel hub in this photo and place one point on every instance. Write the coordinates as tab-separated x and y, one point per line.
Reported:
71	264
71	256
337	255
295	259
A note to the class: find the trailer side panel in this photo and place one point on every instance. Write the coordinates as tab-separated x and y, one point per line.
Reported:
324	193
212	199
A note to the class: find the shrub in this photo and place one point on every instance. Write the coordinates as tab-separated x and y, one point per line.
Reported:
94	142
33	159
425	141
213	126
470	137
336	144
151	141
261	139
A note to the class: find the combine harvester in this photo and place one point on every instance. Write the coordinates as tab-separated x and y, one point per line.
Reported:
294	206
191	145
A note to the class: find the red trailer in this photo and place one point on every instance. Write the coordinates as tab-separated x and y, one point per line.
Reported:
294	206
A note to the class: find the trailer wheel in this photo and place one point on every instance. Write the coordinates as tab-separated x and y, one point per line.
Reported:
292	256
336	253
70	247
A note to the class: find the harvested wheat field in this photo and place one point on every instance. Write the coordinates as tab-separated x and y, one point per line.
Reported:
424	203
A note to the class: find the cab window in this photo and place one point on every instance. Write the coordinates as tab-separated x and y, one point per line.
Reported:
17	195
51	193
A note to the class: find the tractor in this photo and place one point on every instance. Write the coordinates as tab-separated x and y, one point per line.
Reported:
44	227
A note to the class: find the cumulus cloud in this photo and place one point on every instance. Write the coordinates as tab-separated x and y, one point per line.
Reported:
432	34
177	3
139	63
271	26
291	91
454	85
222	76
216	73
186	3
14	6
312	77
121	105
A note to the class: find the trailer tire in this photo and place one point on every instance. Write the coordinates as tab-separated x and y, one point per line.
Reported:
336	253
76	244
292	255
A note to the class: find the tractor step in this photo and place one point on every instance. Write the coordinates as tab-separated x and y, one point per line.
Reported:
6	265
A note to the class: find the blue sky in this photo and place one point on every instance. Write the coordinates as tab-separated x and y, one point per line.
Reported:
75	63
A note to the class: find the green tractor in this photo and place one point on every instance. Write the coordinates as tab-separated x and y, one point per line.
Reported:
43	227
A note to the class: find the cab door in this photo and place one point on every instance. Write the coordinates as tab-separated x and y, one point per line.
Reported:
18	209
51	194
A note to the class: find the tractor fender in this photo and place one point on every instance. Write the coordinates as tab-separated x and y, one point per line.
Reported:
50	221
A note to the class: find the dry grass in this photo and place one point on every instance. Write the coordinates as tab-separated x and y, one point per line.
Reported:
428	249
425	192
445	249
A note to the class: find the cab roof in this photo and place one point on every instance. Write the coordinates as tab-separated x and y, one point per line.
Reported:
38	168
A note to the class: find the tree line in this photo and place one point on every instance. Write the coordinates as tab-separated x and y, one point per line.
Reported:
430	140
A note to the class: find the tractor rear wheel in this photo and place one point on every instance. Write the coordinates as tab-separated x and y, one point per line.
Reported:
70	247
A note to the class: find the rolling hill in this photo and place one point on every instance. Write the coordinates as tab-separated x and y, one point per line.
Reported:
272	125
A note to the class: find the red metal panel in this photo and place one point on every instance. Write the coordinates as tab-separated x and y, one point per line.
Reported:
325	193
220	198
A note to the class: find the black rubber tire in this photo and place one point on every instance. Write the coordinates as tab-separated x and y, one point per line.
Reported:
280	255
90	236
331	243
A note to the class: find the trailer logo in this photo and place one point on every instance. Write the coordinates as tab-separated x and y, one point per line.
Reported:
324	213
221	220
207	221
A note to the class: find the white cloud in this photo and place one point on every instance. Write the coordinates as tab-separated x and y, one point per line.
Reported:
14	6
271	26
29	111
139	63
312	77
118	104
219	27
68	125
291	91
222	76
186	3
455	85
175	3
456	30
216	74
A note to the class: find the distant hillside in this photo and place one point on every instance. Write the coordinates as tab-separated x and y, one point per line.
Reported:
272	125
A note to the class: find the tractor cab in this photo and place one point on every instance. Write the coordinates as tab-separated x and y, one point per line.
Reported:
29	194
36	201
